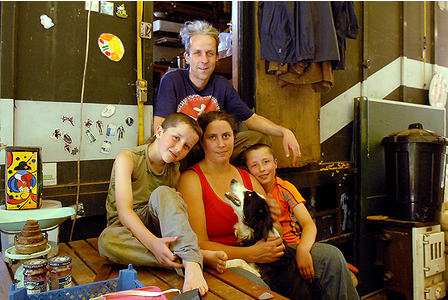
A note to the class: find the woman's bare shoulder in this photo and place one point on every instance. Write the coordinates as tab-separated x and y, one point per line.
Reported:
188	177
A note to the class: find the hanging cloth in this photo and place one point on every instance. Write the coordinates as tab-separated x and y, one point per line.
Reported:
346	25
297	31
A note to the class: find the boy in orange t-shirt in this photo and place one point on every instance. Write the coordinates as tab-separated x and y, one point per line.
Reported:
323	265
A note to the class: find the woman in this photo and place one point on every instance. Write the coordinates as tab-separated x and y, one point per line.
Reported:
203	188
216	231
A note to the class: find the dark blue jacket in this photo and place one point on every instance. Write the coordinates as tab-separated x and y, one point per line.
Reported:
299	31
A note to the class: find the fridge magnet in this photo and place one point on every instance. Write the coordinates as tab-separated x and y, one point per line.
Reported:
105	147
68	148
67	138
68	119
120	132
88	123
99	125
111	46
90	136
57	134
107	8
129	121
108	111
74	151
121	11
46	21
111	130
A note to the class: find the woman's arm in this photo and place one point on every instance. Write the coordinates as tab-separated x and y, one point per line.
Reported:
191	190
124	165
309	232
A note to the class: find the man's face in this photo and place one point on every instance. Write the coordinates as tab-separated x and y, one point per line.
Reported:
202	59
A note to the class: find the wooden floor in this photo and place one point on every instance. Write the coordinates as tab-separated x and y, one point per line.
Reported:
88	266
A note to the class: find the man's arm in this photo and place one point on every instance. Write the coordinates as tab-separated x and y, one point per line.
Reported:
263	125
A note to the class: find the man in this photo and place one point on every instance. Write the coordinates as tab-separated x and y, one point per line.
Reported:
197	89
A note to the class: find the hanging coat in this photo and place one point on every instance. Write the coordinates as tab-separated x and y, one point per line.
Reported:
346	24
297	31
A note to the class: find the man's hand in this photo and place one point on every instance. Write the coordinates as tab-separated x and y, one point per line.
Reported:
290	144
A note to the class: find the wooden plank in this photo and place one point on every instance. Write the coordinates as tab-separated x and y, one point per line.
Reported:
87	250
218	288
93	242
81	273
242	284
171	278
225	290
88	255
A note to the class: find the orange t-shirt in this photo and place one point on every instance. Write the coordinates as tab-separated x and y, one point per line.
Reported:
287	197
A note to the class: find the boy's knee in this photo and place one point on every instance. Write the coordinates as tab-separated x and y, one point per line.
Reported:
164	195
163	189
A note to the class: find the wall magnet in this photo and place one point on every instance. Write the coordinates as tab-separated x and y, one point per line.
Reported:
46	21
67	138
120	131
108	111
121	11
105	147
90	136
88	123
69	119
68	148
74	151
111	130
99	125
129	121
57	134
111	46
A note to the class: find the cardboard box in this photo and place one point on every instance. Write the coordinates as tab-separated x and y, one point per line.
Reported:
23	178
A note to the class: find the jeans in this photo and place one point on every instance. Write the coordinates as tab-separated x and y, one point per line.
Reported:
333	279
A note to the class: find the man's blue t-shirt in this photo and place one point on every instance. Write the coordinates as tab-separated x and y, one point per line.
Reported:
177	93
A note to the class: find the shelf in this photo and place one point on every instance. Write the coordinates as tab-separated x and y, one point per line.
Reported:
224	65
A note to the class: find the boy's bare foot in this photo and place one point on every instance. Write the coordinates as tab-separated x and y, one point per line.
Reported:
194	278
215	259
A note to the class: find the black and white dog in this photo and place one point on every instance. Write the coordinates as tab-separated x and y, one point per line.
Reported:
255	223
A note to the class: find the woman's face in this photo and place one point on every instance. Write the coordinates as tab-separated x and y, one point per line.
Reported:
218	141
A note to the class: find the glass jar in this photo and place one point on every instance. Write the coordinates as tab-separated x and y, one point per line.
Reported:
60	272
35	275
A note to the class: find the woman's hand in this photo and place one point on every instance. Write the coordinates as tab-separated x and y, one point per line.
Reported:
268	251
160	248
305	264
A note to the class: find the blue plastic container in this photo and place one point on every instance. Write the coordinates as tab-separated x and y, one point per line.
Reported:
127	280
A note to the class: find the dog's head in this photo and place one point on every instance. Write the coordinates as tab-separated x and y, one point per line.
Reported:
254	217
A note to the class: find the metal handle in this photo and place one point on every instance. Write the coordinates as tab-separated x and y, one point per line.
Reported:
142	90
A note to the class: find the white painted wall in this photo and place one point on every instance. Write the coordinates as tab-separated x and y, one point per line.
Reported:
338	113
31	123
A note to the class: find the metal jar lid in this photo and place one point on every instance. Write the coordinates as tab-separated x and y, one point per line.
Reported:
36	263
59	261
415	134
